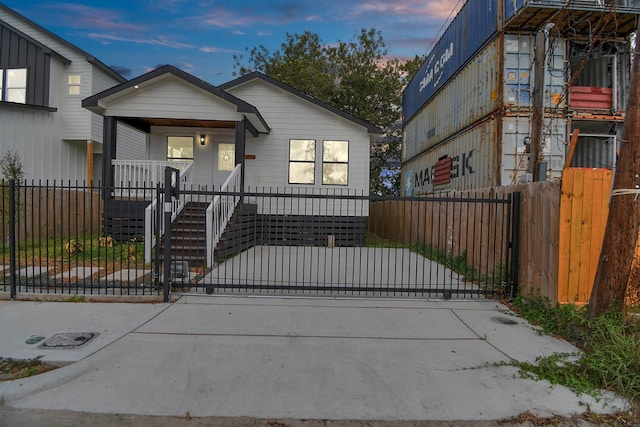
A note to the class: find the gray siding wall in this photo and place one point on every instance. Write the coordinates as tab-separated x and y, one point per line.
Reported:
35	136
293	118
131	143
100	81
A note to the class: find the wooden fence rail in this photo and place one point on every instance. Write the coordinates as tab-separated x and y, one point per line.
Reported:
47	212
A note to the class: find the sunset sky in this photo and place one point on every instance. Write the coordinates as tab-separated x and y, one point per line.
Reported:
201	36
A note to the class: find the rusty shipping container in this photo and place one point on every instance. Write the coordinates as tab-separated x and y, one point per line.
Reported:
477	160
518	86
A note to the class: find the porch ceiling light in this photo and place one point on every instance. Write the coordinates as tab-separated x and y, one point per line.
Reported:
203	139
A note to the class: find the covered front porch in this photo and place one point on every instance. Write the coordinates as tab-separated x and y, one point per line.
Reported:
188	125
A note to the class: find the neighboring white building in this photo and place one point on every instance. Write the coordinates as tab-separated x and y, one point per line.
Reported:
43	80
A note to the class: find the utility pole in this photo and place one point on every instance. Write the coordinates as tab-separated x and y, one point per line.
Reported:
538	104
618	247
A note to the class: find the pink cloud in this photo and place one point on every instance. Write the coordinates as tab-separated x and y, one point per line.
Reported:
410	8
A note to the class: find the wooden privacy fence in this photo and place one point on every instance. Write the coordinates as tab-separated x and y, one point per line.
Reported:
584	208
52	212
473	227
562	226
539	234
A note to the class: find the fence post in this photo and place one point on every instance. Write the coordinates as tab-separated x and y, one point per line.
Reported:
156	232
515	243
167	208
170	174
12	237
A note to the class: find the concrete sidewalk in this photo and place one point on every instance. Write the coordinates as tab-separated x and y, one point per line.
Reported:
288	358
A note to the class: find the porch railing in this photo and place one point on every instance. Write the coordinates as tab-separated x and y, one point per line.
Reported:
145	175
220	210
177	204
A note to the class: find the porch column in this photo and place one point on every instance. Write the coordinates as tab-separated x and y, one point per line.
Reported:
241	148
109	134
89	180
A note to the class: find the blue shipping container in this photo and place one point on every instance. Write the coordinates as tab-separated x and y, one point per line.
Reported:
473	27
513	6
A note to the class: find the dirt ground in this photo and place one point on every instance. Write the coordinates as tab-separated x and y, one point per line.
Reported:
15	417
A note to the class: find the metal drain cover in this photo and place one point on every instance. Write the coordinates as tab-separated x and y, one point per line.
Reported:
69	340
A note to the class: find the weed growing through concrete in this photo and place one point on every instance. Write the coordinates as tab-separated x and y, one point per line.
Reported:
610	344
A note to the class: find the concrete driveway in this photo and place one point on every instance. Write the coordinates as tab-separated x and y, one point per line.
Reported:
294	358
357	271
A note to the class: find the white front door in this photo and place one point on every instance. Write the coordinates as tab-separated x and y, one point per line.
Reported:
224	161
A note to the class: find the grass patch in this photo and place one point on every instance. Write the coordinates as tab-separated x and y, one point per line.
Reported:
610	344
375	241
86	249
459	264
13	369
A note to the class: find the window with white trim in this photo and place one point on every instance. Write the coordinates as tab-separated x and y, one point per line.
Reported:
335	162
13	85
302	161
74	84
179	148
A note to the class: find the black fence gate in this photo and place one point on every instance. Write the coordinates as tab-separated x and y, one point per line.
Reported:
340	243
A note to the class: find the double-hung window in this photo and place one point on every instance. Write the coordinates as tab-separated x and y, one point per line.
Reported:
74	84
335	162
302	161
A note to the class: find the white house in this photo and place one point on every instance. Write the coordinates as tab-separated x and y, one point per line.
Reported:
43	80
251	132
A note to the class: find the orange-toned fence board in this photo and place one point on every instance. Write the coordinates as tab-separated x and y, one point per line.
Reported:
584	206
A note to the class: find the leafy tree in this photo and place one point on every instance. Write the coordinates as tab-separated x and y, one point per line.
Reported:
11	166
301	62
356	77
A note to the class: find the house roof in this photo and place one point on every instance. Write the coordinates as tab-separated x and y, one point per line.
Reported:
258	75
93	103
90	58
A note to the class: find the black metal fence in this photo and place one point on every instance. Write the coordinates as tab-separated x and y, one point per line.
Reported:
54	241
60	238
